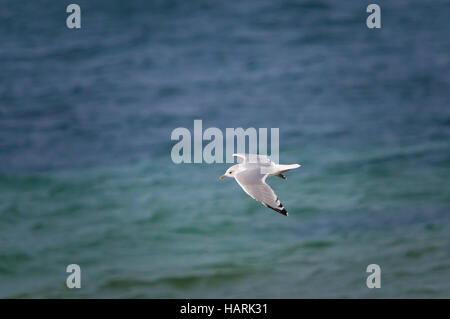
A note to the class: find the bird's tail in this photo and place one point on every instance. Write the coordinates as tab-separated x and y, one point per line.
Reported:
285	168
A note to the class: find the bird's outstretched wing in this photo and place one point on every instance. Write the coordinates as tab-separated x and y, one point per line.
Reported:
253	182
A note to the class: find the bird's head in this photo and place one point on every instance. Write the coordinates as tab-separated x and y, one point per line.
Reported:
231	172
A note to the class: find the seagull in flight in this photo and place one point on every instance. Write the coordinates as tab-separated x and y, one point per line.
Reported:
251	175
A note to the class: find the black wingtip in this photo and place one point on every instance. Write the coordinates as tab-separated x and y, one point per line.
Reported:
282	211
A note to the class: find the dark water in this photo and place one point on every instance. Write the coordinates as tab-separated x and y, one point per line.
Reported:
86	175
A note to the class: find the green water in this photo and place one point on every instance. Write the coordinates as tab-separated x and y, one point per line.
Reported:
136	231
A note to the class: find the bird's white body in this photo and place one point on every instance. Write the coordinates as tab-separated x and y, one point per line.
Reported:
251	175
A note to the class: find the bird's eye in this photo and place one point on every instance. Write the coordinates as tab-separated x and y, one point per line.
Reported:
230	172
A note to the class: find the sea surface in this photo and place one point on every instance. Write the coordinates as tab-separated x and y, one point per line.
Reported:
86	175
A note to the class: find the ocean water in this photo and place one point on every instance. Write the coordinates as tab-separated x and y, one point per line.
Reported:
86	175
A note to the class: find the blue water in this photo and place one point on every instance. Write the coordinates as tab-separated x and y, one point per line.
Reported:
86	175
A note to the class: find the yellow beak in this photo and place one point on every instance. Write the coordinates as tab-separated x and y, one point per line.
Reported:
222	177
